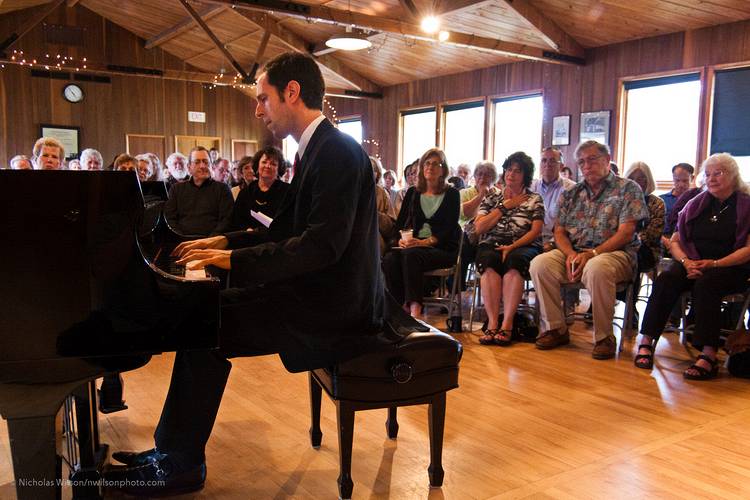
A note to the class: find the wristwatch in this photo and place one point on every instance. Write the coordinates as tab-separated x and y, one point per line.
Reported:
593	250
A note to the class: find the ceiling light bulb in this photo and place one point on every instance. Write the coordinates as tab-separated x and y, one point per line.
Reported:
430	24
443	35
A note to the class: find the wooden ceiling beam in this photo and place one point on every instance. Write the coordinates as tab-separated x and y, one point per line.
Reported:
294	42
411	10
183	26
451	7
259	54
544	27
19	32
227	55
71	3
399	27
119	70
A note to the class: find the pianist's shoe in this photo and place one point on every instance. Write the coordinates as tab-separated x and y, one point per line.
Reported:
131	458
160	476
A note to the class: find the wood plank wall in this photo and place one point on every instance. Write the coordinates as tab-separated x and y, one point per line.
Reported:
127	105
567	90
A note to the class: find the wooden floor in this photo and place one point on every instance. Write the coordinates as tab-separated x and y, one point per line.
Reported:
524	423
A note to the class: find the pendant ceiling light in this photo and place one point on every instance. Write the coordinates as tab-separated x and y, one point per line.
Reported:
350	40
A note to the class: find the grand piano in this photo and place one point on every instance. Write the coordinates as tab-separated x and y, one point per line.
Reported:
83	294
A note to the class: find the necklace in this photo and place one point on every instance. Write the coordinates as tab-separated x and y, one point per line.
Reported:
715	216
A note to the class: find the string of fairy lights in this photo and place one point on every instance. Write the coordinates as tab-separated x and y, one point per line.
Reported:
48	61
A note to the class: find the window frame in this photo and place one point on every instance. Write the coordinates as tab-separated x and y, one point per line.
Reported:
352	118
621	112
507	96
424	108
482	101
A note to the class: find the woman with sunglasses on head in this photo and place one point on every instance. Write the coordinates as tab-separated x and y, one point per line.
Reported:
428	220
711	251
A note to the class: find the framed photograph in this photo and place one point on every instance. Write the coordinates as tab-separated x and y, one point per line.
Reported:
69	137
595	126
561	130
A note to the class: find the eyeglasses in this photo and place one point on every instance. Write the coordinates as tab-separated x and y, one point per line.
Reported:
550	162
433	163
588	160
717	174
515	170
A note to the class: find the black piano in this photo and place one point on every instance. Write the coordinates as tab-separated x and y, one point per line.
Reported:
83	295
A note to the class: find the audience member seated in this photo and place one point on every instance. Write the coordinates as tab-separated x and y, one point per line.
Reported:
456	182
213	155
263	195
682	178
220	171
199	206
386	215
235	175
410	179
74	164
247	175
485	176
649	252
145	168
389	182
711	251
429	217
91	159
464	173
48	154
550	185
20	162
566	173
596	244
510	227
158	167
177	168
125	162
700	186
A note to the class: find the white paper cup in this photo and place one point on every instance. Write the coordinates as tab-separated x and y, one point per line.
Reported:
407	234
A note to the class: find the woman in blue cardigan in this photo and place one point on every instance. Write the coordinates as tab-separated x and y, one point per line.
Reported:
430	209
711	251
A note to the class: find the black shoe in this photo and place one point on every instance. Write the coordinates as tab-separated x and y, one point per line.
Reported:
160	477
134	457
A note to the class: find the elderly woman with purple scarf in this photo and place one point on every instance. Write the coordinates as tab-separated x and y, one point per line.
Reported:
711	251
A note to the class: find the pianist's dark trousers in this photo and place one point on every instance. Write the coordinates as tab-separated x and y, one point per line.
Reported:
249	327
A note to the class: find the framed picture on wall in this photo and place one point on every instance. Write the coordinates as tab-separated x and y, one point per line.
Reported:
595	126
561	130
69	137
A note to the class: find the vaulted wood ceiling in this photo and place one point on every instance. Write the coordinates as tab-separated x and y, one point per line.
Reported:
483	33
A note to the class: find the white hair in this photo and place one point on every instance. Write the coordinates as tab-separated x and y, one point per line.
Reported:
86	153
729	164
18	158
171	158
155	175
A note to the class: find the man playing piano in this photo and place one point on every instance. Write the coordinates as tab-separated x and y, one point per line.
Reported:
316	270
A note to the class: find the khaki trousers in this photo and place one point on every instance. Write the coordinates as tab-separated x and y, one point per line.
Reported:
600	277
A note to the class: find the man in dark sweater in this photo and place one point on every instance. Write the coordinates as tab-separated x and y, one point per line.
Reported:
200	206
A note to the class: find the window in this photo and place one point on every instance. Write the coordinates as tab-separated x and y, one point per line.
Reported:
518	127
729	130
661	123
417	133
463	133
353	127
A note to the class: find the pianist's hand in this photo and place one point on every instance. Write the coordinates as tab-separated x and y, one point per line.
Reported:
200	258
215	242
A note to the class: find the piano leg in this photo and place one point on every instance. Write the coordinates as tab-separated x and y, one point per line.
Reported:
87	479
36	466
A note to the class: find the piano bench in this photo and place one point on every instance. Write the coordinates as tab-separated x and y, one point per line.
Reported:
418	369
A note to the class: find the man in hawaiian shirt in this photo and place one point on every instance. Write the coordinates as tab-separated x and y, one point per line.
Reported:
596	244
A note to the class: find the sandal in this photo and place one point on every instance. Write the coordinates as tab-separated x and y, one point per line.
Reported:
648	357
703	374
503	337
489	337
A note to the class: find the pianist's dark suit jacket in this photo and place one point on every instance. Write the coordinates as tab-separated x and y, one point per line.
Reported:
320	258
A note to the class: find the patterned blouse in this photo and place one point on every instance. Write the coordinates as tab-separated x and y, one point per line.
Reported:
591	220
513	223
651	234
